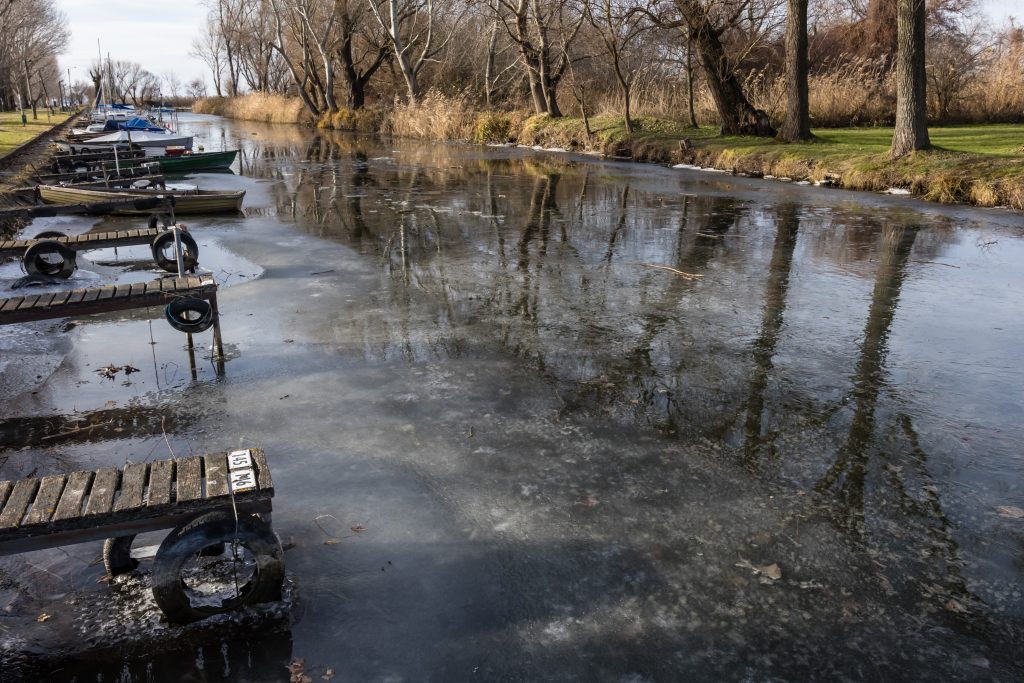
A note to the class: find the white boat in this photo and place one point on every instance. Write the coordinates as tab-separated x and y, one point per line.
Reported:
144	139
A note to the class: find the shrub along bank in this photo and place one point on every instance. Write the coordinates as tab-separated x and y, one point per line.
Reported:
980	164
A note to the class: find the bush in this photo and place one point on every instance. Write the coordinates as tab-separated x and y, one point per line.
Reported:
494	127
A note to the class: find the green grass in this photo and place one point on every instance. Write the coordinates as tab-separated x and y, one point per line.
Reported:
977	164
12	133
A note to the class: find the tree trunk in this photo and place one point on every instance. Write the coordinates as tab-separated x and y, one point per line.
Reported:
28	93
492	43
737	115
911	131
689	80
797	125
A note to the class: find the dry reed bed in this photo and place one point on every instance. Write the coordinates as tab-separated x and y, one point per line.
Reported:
257	106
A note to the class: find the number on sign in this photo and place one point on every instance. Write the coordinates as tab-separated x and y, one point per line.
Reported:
239	460
243	480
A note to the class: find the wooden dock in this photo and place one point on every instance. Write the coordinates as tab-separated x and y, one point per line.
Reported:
76	302
93	300
89	240
63	509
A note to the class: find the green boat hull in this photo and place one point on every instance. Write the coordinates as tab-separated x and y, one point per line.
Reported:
202	161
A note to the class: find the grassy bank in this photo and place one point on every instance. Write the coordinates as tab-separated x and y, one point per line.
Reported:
979	164
13	134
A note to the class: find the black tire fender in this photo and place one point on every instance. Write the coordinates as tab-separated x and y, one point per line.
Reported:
35	262
189	314
191	539
117	555
163	251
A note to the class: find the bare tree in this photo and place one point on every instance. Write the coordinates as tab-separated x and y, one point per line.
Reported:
173	84
33	33
544	31
362	50
620	31
411	27
196	88
209	47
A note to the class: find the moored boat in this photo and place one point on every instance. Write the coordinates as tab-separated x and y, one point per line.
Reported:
185	201
155	142
198	161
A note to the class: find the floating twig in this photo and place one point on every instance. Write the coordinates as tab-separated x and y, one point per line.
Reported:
76	430
938	263
688	276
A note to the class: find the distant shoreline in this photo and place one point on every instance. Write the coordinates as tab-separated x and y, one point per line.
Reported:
978	164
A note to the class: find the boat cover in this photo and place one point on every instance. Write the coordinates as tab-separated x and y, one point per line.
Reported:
136	123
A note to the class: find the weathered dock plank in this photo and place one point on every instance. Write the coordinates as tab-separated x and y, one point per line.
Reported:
45	503
133	486
161	479
190	479
216	468
101	498
19	500
70	505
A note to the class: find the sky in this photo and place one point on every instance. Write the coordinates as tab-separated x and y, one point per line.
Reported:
159	35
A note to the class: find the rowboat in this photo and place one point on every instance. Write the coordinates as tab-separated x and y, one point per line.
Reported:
197	162
185	201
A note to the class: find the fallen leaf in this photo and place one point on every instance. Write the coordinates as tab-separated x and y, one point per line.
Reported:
42	617
589	501
358	528
770	571
109	372
129	369
1011	511
328	675
297	669
332	541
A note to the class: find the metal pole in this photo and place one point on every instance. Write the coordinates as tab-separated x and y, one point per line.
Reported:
177	250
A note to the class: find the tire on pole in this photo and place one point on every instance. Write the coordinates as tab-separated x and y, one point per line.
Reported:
163	251
188	541
189	315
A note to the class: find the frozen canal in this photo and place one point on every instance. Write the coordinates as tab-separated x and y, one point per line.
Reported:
542	418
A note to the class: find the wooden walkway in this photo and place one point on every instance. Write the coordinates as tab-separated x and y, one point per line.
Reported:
68	303
89	240
93	505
